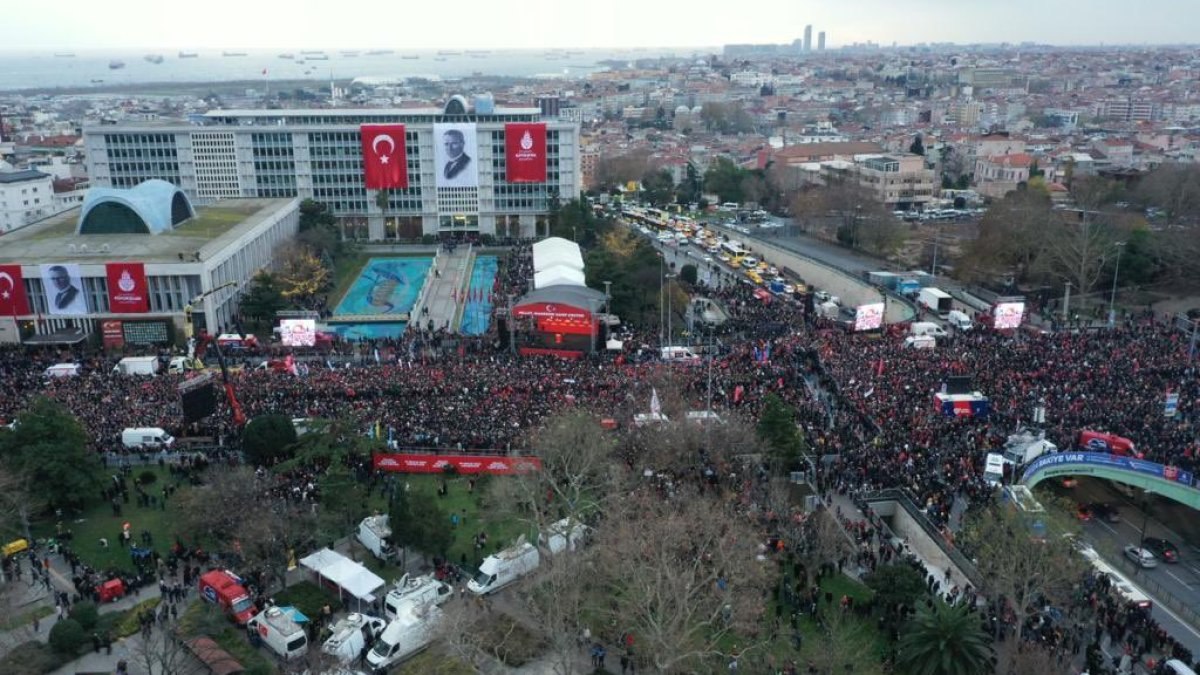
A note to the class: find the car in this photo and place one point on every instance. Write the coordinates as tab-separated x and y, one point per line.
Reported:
1105	511
1161	548
1140	556
1084	512
1069	481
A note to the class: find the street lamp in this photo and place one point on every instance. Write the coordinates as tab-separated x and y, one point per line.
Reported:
670	331
1112	298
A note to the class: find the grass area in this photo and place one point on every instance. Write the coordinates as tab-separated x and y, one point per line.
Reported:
213	221
432	662
308	597
99	521
202	618
345	271
26	618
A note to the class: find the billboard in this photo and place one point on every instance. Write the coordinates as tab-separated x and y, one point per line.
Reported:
385	157
298	332
12	291
868	317
63	285
422	463
112	332
552	318
1008	315
455	155
127	292
1124	463
525	153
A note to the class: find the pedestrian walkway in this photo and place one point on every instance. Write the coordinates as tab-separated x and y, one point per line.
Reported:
445	288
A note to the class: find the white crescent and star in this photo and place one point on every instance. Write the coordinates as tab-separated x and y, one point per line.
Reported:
6	277
383	158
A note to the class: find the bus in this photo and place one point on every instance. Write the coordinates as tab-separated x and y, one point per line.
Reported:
733	248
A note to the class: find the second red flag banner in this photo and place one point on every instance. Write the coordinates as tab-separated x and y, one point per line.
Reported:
525	152
385	160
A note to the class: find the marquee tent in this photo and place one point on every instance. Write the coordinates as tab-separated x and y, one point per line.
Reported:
349	576
556	251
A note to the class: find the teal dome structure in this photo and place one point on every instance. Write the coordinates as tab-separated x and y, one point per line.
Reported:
152	207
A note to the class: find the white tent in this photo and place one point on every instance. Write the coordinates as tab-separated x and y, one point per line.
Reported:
556	251
558	275
347	575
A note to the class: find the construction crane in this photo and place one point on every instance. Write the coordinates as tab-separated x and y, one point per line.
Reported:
239	417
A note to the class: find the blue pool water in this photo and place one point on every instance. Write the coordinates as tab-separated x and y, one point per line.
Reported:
369	331
478	311
385	286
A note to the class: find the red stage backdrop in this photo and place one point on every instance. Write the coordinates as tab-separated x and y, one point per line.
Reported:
501	466
525	152
552	318
127	292
12	292
113	333
385	160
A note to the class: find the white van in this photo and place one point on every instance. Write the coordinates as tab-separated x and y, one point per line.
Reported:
679	355
501	569
565	535
136	365
63	370
410	632
920	342
959	320
278	631
927	328
349	635
375	535
1177	667
424	590
146	438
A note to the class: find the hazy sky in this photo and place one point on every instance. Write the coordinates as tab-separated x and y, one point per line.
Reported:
496	24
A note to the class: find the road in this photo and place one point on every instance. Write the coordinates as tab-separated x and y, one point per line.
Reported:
1170	586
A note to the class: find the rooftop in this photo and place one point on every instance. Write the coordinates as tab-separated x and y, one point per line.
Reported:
21	176
214	227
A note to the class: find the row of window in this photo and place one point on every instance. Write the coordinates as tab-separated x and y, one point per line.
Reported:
323	120
166	293
139	153
142	140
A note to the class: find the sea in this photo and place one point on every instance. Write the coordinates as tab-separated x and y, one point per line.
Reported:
42	70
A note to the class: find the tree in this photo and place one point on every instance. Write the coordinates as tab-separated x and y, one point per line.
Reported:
944	639
263	298
688	274
658	188
896	585
268	439
724	178
429	526
66	637
1009	239
48	450
163	651
302	276
777	426
1174	188
918	146
1078	252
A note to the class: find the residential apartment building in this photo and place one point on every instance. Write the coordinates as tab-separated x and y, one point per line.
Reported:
25	197
317	154
997	175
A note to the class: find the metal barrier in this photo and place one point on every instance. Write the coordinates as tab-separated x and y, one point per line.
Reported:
1115	557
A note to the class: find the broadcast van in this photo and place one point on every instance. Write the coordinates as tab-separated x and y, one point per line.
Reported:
505	567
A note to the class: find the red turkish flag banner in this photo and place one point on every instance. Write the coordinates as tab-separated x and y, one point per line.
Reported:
385	160
13	301
525	152
127	292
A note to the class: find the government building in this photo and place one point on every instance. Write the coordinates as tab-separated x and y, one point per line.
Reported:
318	154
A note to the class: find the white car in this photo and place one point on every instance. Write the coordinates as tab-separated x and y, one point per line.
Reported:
707	259
1140	556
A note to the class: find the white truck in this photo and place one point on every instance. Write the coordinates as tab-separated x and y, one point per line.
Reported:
279	632
935	300
63	370
349	635
1020	449
375	535
410	632
146	438
927	328
423	590
504	567
137	365
567	534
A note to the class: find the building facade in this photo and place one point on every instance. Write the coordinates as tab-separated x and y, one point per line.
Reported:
317	154
25	197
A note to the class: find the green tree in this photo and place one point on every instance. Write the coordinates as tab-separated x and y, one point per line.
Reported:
429	530
85	613
318	229
944	640
268	439
725	179
658	188
777	427
688	275
263	298
66	637
918	146
896	585
48	449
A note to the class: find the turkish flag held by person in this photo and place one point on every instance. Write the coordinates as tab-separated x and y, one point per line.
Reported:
13	301
385	163
127	288
525	152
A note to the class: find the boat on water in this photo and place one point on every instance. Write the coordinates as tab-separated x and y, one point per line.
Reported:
307	52
448	52
380	52
349	53
116	65
188	55
97	81
154	58
233	53
64	55
439	58
316	57
287	56
410	57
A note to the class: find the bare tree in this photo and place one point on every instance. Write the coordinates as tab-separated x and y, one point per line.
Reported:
19	501
163	651
843	644
1175	188
1078	252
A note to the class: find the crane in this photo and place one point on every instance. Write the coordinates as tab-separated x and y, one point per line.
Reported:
239	417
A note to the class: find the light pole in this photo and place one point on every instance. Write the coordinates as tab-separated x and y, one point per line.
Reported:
670	331
662	273
1112	298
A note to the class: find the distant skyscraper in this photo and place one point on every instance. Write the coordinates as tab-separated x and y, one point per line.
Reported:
808	38
821	41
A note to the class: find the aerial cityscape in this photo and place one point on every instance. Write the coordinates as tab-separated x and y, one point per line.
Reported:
549	340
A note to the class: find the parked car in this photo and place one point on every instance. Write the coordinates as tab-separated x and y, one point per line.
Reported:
1140	556
1161	548
1105	511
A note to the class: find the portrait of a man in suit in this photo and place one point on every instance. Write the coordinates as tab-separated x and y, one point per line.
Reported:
66	293
457	160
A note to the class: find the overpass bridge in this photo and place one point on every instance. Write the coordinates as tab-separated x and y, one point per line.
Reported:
1167	481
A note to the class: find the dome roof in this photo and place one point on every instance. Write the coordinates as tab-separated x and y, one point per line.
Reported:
152	207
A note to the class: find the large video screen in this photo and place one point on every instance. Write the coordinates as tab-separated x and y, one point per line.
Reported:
1009	315
298	332
868	317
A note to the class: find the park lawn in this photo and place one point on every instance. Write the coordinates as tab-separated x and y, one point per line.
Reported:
98	521
345	270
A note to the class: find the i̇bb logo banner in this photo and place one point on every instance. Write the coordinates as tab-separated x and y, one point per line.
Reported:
525	152
127	288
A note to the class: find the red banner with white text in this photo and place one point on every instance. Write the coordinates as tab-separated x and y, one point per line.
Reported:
127	293
500	466
385	159
525	152
12	292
